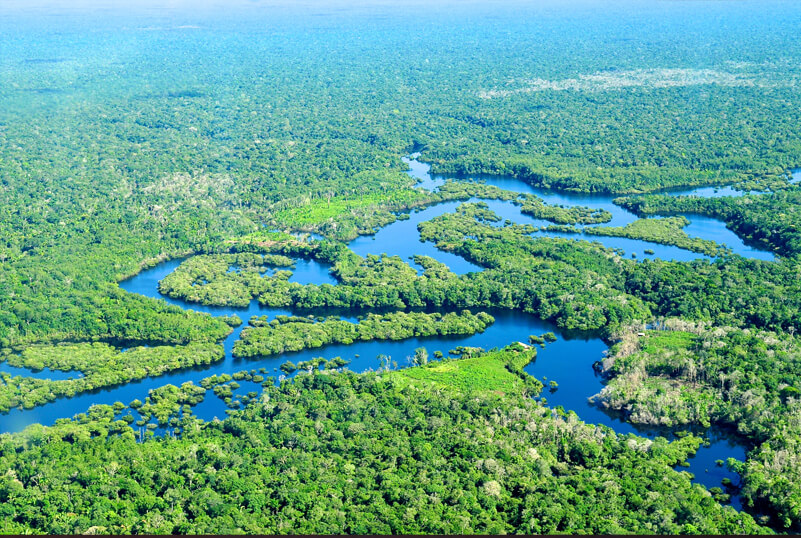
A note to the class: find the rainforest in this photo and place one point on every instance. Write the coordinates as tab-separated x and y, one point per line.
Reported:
406	267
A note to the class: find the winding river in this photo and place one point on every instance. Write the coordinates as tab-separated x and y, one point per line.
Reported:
568	361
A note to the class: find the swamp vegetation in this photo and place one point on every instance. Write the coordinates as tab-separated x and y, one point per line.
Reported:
251	142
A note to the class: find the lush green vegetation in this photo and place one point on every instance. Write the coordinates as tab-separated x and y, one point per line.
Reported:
391	448
542	276
295	334
96	365
495	373
537	275
750	380
575	285
529	204
666	231
127	141
168	405
770	220
346	218
733	291
100	176
221	279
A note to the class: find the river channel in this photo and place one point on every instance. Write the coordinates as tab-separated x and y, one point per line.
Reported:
568	361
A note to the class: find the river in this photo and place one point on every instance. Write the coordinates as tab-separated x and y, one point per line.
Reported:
568	361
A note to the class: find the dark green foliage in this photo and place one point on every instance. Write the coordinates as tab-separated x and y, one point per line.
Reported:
732	291
134	147
288	367
278	337
548	277
746	379
221	279
167	402
772	220
529	204
233	321
666	231
394	459
575	285
131	171
96	366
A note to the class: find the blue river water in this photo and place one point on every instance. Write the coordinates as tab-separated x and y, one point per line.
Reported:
44	373
568	361
701	227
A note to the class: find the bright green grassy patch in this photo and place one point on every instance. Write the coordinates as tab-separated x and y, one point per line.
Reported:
319	210
661	341
497	372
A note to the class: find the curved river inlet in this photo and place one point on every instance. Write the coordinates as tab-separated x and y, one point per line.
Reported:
700	226
568	361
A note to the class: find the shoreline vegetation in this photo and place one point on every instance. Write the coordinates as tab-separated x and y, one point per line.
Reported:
96	366
683	373
663	231
263	338
333	417
363	216
224	137
768	220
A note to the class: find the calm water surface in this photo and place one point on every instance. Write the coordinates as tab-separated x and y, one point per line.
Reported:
700	226
568	361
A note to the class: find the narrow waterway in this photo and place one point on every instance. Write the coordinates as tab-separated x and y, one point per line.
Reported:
700	226
568	361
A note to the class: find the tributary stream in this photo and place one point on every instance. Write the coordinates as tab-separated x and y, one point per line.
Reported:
568	361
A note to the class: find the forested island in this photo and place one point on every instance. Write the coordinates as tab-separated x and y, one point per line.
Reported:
397	268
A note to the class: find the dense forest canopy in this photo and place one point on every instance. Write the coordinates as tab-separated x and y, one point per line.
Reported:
165	131
219	133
